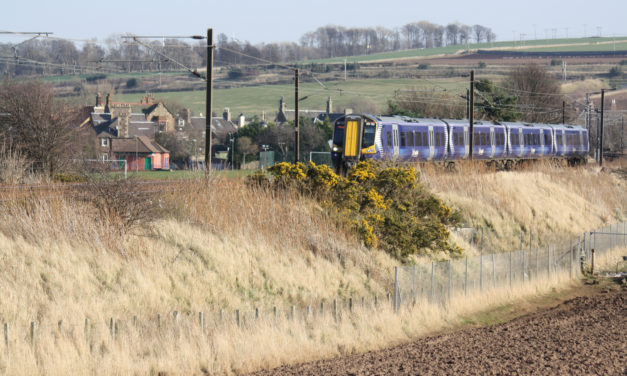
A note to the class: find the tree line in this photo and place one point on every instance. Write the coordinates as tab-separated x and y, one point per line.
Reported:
59	56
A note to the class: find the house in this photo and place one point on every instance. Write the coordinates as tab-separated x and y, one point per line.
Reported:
284	115
140	153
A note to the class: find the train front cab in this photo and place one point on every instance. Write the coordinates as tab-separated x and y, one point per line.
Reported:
353	140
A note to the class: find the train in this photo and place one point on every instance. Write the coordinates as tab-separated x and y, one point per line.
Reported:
358	137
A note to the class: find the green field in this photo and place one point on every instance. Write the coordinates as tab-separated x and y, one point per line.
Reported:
253	100
578	44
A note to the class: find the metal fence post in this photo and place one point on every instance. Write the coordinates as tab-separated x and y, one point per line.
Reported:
432	281
481	272
449	280
510	270
466	279
395	289
32	332
6	334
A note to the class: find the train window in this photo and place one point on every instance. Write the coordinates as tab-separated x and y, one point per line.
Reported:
455	135
389	137
437	139
338	135
369	132
425	141
417	139
403	139
536	139
410	138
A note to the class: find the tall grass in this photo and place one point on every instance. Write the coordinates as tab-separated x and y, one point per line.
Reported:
220	244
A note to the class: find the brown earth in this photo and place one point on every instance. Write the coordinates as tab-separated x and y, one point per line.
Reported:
584	335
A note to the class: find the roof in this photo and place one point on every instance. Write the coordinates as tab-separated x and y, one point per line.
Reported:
218	125
141	144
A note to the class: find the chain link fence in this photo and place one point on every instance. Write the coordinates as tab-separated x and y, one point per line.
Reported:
439	282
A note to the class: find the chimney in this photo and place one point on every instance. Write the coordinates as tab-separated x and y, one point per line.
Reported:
241	121
329	106
226	115
282	106
108	104
98	100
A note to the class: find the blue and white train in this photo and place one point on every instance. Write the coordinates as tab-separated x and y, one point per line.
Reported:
358	137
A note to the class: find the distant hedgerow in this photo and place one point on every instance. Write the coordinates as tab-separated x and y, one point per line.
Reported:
386	206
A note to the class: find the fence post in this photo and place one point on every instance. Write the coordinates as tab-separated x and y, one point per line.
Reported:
449	280
86	330
308	311
432	281
537	265
481	272
322	308
570	262
275	312
237	318
510	270
548	261
376	300
592	262
257	313
493	272
60	326
414	282
6	334
201	321
32	332
158	320
466	278
335	309
523	269
293	312
175	317
395	289
111	328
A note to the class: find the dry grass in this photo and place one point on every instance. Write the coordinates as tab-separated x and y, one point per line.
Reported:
553	203
223	245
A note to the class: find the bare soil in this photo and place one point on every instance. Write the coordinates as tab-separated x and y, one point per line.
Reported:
584	335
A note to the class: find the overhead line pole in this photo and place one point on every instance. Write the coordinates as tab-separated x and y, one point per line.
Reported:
208	133
296	119
601	142
471	112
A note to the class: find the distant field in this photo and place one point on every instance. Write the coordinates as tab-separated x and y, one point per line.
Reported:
426	52
253	100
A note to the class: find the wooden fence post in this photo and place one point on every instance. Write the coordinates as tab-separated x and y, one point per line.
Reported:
6	334
32	332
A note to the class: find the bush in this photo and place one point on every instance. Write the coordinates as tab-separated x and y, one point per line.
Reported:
423	66
616	71
235	73
95	77
385	206
482	65
556	62
131	83
623	62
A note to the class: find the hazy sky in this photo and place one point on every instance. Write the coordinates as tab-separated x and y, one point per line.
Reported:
281	20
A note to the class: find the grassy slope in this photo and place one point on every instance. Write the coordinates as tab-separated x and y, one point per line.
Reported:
252	100
227	246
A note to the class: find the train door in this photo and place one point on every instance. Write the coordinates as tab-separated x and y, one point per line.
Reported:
492	143
541	142
395	137
466	143
431	143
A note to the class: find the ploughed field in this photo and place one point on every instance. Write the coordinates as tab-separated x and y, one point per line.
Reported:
584	335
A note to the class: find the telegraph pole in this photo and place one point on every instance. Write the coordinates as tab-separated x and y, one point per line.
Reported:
601	142
208	135
296	119
563	112
471	112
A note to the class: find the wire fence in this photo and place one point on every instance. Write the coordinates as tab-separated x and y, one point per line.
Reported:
439	282
435	284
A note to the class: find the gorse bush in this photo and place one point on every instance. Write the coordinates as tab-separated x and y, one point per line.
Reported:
385	205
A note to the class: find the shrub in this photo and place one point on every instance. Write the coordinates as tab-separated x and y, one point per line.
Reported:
556	62
481	65
616	71
95	77
386	206
423	66
131	83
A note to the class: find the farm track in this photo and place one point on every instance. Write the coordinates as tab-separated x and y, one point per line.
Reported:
584	335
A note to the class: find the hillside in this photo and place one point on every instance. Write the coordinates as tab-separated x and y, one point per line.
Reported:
225	246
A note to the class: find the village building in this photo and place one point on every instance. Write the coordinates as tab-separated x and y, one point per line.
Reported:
284	115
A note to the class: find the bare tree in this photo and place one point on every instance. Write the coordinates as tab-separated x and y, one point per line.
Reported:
37	124
539	97
246	147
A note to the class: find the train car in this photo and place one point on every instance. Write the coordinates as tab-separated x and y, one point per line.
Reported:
361	136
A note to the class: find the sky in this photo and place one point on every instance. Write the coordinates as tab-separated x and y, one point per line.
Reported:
286	21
